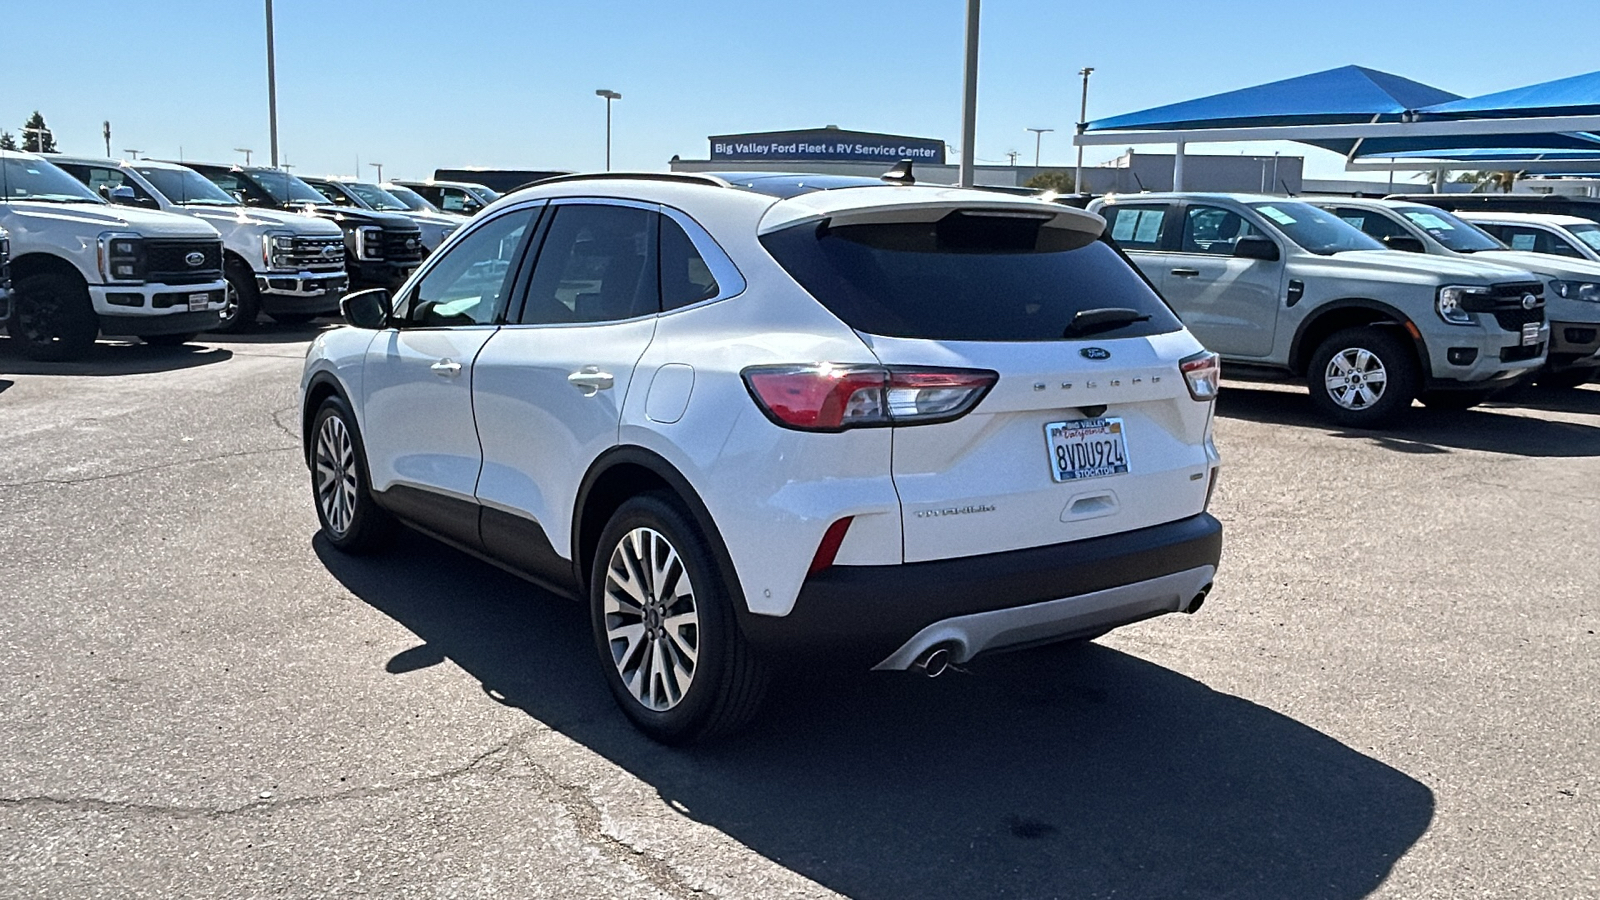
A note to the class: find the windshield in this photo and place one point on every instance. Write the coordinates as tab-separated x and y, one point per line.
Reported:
375	197
1589	234
969	277
482	193
413	200
1455	234
1317	230
186	187
285	188
40	182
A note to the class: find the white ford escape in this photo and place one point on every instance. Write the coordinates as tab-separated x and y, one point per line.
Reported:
773	416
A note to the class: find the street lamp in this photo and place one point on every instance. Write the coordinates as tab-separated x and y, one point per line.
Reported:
39	135
610	96
132	153
246	151
1083	123
1038	135
272	88
969	101
379	167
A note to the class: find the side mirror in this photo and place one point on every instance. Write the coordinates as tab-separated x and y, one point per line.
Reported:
367	309
1405	243
1254	246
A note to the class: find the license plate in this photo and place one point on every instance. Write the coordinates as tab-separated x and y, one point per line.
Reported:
198	302
1530	334
1086	448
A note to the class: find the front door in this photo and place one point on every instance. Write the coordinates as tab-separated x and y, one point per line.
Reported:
421	372
550	386
1230	303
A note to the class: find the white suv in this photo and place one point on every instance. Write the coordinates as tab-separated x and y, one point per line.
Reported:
764	416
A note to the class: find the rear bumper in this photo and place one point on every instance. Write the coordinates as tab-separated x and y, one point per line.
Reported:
885	615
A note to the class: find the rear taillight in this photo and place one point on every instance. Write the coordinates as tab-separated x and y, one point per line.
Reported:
1203	372
826	397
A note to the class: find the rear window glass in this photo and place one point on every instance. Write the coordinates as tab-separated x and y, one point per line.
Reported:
967	278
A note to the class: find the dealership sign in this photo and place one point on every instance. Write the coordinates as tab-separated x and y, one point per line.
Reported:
829	144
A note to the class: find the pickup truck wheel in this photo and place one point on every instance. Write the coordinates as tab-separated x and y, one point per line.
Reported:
664	626
167	340
52	317
243	300
1363	377
341	485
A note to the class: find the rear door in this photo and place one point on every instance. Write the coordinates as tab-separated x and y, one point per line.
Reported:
1230	304
1139	229
986	297
1536	239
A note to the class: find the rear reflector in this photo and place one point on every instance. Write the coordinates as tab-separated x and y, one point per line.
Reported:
829	548
1203	372
827	397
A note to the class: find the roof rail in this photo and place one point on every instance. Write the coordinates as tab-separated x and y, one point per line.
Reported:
681	177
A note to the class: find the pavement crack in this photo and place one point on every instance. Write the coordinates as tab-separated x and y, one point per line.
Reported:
277	419
141	470
490	762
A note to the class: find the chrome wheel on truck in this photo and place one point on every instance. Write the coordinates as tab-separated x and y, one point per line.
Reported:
1364	377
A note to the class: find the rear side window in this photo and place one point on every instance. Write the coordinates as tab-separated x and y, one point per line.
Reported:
966	278
685	277
1135	227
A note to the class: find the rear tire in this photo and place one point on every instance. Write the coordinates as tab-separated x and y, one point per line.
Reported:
52	317
341	486
1566	379
1363	377
244	300
665	629
168	340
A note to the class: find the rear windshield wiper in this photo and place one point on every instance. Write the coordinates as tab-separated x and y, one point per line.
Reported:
1090	321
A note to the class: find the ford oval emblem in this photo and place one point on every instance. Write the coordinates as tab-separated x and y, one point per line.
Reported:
195	258
1095	353
1529	301
331	251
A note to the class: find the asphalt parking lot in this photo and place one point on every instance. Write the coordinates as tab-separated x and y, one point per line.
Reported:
1391	693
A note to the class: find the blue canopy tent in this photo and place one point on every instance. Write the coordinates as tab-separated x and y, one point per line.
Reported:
1578	95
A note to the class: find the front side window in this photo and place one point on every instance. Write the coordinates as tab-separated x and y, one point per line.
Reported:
1314	230
469	284
1537	240
1135	227
597	264
456	200
1214	231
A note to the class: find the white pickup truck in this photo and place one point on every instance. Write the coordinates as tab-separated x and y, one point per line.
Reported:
286	265
81	267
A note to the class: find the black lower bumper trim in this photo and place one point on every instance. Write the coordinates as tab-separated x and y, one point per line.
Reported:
867	612
150	326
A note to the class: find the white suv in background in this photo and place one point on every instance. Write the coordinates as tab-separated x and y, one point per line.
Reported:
1557	235
801	416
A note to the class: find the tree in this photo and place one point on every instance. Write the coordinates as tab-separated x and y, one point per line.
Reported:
36	136
1060	182
7	142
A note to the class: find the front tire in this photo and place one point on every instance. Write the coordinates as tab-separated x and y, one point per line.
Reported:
341	485
244	300
1363	377
52	317
665	628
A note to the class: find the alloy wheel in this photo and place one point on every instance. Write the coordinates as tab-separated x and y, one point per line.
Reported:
230	308
651	621
336	474
1356	378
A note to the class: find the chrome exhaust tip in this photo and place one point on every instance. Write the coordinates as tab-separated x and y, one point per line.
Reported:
932	662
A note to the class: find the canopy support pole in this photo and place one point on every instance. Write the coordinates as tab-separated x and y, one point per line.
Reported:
1177	167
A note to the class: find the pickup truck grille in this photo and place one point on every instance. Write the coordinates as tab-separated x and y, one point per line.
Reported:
167	261
1506	300
318	253
402	246
1512	319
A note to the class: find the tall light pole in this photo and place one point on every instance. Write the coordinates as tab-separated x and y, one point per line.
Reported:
1083	123
379	167
1038	135
610	96
272	89
969	100
106	130
246	151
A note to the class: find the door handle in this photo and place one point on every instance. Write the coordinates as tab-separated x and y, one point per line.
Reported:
591	380
1186	273
447	368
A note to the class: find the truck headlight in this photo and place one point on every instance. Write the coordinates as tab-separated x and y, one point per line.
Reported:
369	243
121	257
1450	303
1588	291
277	250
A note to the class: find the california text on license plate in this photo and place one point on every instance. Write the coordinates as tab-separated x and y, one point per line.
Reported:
198	301
1086	448
1530	334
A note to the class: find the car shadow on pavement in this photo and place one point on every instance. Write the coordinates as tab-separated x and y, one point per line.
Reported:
1078	771
115	358
274	333
1581	400
1423	430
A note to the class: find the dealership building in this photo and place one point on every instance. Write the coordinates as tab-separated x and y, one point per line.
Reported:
835	151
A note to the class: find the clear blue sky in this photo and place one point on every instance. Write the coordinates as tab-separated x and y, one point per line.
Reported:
511	83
